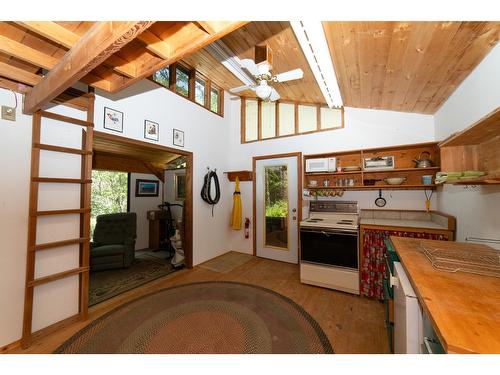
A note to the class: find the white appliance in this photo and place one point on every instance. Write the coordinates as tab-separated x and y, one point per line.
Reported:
407	315
329	246
321	165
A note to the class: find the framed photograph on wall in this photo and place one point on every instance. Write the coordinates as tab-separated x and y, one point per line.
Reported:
113	120
178	138
147	188
151	130
180	186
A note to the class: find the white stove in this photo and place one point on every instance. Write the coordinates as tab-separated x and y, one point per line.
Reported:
329	246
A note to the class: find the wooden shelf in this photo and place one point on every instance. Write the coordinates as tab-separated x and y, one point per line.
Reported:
376	187
397	170
332	173
242	175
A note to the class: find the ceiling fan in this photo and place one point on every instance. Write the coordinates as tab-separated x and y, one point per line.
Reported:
260	69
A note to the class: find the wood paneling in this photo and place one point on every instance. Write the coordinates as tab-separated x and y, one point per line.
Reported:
406	66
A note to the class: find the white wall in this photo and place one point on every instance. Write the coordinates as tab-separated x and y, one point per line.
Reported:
141	206
363	129
476	209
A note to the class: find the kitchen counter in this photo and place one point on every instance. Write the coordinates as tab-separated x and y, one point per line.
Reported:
464	308
433	220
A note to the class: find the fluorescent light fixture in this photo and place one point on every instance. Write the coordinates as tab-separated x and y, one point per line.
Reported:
312	40
226	57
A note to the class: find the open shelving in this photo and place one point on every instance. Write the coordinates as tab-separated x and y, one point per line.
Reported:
404	167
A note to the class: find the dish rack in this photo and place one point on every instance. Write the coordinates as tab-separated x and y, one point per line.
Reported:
481	260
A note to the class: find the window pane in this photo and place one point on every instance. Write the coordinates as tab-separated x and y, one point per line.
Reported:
286	118
182	82
307	118
331	118
162	77
214	100
199	91
251	131
276	206
268	120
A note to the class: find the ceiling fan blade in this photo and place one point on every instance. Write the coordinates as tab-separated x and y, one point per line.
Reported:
250	65
241	88
290	75
274	95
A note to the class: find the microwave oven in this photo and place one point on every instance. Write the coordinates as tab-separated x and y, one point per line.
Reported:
321	165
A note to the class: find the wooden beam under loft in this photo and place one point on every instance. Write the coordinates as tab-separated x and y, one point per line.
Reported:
100	42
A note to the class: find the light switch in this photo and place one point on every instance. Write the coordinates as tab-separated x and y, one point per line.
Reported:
8	113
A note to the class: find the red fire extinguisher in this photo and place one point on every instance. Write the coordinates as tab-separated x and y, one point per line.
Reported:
247	227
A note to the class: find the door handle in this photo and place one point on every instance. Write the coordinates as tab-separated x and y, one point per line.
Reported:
294	210
294	217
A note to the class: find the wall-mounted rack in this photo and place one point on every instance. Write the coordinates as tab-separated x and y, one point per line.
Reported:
242	175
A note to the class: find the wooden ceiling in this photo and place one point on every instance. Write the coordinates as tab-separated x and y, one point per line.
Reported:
38	54
406	66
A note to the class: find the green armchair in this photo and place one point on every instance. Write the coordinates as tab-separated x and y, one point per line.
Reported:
113	244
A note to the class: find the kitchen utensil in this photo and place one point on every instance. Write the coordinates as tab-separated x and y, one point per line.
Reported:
424	162
395	180
380	202
427	179
370	181
428	200
351	168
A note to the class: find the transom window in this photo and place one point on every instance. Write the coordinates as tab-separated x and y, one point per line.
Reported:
267	120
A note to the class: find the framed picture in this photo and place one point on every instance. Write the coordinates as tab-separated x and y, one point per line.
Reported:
147	188
178	138
113	120
151	130
180	186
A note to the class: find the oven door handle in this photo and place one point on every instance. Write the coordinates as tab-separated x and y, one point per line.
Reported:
331	232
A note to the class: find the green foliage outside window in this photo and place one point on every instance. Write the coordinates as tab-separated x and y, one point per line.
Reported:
182	82
214	100
109	194
162	77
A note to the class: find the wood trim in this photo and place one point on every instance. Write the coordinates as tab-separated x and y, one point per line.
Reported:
259	119
298	155
62	118
13	345
62	212
52	245
57	276
296	118
318	117
55	327
277	120
66	150
243	115
102	40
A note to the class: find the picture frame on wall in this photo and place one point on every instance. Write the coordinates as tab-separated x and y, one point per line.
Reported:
113	120
178	138
147	188
180	186
151	130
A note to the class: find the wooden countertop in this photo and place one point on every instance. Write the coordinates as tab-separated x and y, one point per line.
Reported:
463	307
422	224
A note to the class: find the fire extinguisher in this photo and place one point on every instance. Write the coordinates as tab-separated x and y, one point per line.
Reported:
247	227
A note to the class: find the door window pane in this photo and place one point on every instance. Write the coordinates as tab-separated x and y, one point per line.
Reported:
251	130
214	100
286	118
276	206
199	91
307	118
331	118
268	120
182	82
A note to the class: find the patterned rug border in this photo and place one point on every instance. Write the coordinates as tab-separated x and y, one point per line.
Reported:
327	346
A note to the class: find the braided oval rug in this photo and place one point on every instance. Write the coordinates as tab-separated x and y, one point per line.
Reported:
207	317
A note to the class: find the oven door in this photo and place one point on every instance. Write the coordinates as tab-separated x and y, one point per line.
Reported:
333	247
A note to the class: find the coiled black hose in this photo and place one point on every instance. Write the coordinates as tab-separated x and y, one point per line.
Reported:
207	189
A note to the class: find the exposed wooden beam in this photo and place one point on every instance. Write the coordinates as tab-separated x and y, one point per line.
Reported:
68	39
160	174
155	44
101	41
14	86
181	42
212	27
19	75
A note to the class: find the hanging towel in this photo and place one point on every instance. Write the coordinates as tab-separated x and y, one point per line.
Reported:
236	214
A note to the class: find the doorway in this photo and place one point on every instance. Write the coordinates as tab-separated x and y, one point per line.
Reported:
277	206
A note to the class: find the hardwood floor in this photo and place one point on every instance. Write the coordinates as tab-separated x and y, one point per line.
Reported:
352	324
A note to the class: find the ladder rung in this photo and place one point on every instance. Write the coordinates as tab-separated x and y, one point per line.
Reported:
51	245
62	212
61	180
66	150
55	116
56	276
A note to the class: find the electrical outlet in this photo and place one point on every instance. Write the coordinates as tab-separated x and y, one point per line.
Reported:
8	113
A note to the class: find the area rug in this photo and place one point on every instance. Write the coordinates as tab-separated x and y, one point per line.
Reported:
205	318
227	262
107	284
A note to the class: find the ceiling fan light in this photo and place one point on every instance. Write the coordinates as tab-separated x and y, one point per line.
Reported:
263	91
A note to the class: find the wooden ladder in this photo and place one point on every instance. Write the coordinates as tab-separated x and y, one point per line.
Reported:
84	211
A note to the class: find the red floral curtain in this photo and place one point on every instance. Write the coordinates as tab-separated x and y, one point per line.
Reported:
373	270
